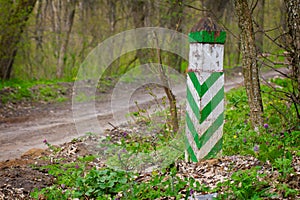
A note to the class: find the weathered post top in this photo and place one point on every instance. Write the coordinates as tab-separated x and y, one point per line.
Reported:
207	31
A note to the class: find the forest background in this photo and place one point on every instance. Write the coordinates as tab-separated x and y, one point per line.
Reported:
49	39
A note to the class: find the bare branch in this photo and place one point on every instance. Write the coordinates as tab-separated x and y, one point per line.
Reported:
273	68
213	15
275	42
252	7
195	8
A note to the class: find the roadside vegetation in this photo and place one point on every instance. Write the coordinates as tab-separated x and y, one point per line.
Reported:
44	43
275	146
15	91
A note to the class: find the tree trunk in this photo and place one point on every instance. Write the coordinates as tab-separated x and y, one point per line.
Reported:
69	13
174	23
293	18
139	15
249	62
55	16
39	31
111	15
112	20
11	34
174	122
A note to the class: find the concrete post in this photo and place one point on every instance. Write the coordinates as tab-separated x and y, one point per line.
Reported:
205	91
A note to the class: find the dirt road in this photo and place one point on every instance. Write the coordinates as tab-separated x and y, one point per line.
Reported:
55	122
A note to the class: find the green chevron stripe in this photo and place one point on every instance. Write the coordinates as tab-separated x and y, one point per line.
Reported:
211	130
217	148
202	115
192	129
195	82
190	151
209	82
193	104
212	105
203	88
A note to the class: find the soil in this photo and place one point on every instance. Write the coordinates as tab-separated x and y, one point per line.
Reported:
24	127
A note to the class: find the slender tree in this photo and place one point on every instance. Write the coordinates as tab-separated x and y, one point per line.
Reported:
173	121
249	62
68	19
13	24
39	31
293	44
175	9
139	16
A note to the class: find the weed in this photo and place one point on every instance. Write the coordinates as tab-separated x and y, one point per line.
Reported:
274	139
15	91
99	183
163	184
50	146
274	142
73	181
286	191
284	167
245	184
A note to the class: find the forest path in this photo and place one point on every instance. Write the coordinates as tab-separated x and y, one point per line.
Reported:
55	123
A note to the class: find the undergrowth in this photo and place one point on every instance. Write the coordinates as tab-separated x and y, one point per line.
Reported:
276	143
277	137
14	91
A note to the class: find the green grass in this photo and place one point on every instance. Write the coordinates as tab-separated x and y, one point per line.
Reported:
277	142
281	129
76	180
14	91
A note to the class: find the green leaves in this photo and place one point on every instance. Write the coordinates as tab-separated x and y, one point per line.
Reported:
245	184
165	184
275	144
72	181
102	182
272	144
15	91
284	167
274	139
106	183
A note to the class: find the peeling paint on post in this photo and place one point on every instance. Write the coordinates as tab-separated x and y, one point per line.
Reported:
205	91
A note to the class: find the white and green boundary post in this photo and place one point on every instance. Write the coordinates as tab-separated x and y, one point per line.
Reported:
205	91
